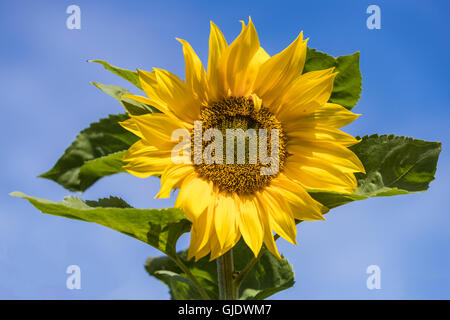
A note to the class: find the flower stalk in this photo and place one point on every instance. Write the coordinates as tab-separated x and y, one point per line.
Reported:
228	290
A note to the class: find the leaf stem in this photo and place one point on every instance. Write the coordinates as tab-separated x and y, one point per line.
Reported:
242	274
225	274
186	270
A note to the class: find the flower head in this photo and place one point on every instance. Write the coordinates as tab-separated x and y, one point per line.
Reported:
243	90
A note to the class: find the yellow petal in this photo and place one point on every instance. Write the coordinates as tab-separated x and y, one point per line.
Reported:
202	253
205	237
318	134
308	92
257	101
206	222
278	72
139	99
282	222
179	100
334	153
201	230
146	161
333	115
250	225
330	115
260	57
169	94
194	196
172	178
217	46
150	85
270	243
156	128
139	149
234	233
225	218
294	197
131	126
237	59
315	174
232	239
194	243
196	79
269	240
214	247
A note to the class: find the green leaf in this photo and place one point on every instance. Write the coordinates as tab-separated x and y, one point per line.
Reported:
93	170
111	202
180	286
96	152
131	106
348	82
159	228
131	76
267	277
204	270
394	165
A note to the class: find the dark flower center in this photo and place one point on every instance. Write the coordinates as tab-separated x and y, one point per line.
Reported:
253	146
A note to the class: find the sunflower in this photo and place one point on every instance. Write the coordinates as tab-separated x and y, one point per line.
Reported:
244	88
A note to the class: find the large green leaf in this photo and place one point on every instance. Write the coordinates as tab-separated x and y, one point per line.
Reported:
394	165
131	106
347	84
160	228
131	76
95	153
267	277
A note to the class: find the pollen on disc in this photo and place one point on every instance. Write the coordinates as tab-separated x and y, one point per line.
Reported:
238	113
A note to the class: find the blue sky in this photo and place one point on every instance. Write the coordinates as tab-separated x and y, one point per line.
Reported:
47	99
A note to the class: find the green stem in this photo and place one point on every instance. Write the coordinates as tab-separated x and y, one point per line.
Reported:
186	270
225	274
